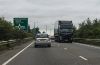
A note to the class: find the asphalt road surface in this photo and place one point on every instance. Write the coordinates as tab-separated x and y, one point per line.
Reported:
58	54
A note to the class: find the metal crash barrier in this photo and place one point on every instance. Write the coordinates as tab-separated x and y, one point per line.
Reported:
11	43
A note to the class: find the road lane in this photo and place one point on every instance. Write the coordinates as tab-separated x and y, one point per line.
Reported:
46	56
5	63
91	53
6	54
58	54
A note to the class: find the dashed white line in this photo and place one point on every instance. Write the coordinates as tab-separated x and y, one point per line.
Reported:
83	58
5	63
66	48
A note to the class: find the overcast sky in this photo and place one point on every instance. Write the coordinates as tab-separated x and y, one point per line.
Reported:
46	12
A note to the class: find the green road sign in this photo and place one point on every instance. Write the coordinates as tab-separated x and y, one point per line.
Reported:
21	23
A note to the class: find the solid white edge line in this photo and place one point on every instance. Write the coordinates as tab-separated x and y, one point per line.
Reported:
5	63
65	48
83	58
88	45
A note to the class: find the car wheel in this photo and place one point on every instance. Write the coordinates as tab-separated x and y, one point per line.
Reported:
35	46
70	41
49	45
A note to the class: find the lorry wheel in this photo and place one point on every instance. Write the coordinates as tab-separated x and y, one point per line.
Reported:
49	45
55	40
35	46
70	41
59	41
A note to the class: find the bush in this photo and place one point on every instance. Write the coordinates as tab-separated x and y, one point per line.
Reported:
88	29
7	31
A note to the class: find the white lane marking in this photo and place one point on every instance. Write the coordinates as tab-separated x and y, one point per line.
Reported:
88	45
5	63
83	58
66	48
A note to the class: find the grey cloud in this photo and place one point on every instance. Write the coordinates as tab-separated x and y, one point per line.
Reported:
46	12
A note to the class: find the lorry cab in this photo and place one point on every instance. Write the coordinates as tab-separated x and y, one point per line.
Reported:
63	31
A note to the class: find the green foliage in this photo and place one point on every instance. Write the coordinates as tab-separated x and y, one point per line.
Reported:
8	31
35	31
88	29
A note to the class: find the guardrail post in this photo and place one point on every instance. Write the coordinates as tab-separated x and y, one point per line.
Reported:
4	44
11	44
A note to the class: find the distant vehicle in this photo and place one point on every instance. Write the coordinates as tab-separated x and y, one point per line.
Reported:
42	40
63	31
52	37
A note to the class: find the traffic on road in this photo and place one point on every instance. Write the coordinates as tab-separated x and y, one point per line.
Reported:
42	40
58	54
49	32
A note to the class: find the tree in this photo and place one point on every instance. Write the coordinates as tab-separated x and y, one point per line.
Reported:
8	31
89	29
35	31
